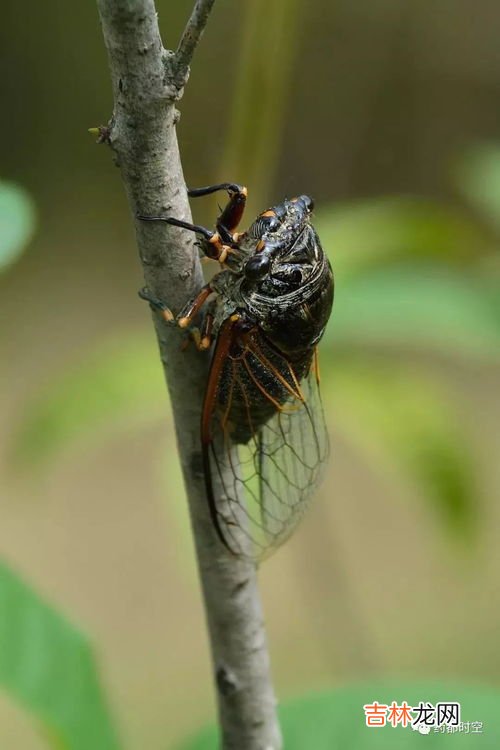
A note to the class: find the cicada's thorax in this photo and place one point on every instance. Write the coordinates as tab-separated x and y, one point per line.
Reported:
295	320
282	291
281	278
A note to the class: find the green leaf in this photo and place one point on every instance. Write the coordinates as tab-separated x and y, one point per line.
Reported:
121	379
398	418
48	667
477	174
335	719
418	307
17	222
364	234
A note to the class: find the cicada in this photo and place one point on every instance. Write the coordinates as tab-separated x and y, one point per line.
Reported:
263	436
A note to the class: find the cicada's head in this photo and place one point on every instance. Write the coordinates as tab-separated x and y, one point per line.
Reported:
285	248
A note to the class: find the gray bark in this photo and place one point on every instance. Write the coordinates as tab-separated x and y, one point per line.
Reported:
147	81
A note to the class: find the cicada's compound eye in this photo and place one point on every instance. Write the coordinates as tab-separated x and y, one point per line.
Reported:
257	267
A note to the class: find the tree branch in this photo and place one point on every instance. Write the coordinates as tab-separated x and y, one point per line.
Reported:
146	85
190	39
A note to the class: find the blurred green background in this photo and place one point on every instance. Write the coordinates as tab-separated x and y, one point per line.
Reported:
387	112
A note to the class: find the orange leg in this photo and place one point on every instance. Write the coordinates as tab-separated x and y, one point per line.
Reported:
202	338
186	315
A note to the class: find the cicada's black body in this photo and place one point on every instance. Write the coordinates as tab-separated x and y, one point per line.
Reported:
263	435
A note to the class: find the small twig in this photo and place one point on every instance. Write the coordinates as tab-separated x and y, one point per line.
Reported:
142	136
189	40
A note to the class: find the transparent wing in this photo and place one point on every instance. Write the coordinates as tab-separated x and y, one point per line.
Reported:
267	449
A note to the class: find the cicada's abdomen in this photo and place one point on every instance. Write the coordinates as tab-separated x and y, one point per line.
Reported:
256	381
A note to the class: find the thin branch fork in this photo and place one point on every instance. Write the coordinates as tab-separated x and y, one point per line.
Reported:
147	82
190	39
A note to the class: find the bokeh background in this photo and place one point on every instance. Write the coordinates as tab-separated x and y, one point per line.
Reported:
387	112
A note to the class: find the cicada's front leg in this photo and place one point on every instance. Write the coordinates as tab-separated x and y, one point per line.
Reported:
220	244
214	247
231	215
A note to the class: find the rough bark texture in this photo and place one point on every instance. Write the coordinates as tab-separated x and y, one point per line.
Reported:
147	80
